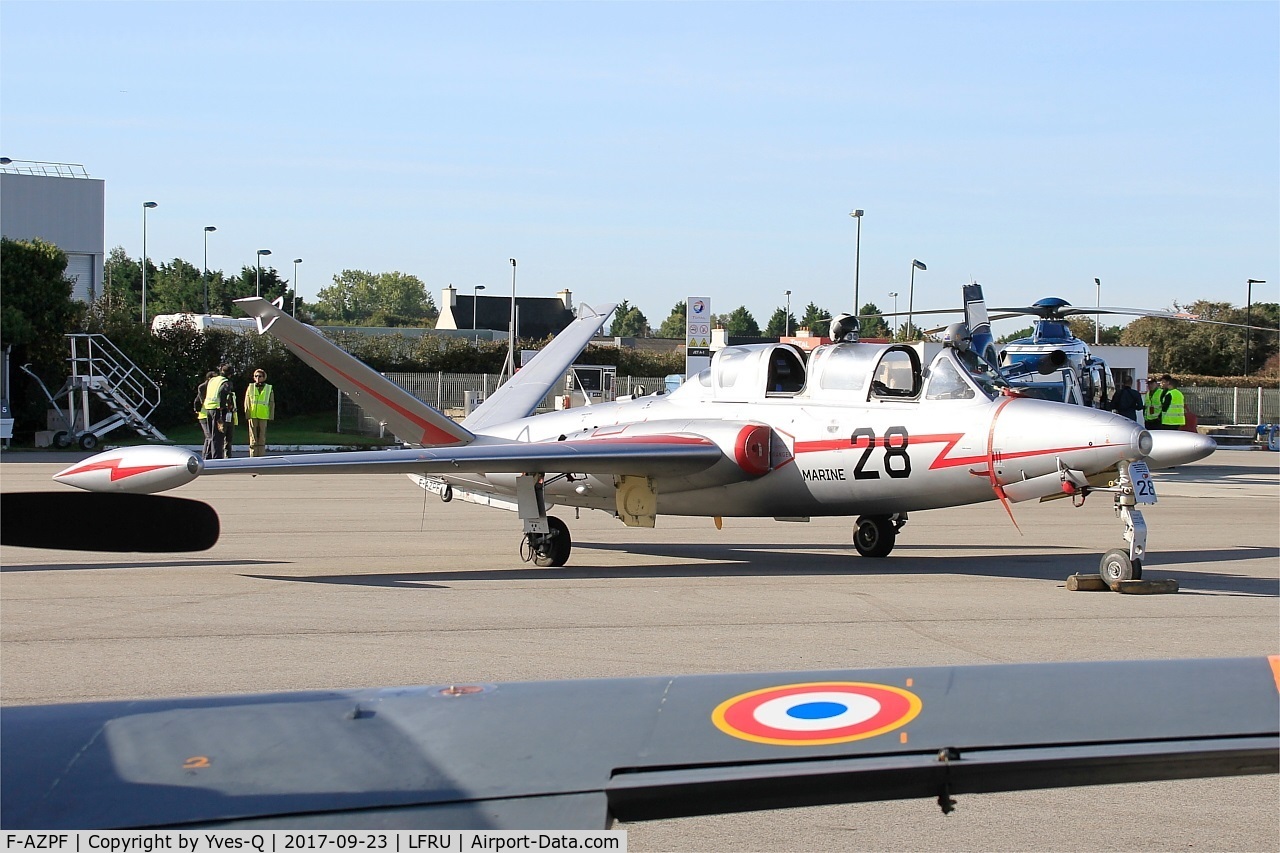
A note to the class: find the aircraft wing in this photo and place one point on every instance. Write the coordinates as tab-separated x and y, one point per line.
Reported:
408	417
155	468
577	754
520	395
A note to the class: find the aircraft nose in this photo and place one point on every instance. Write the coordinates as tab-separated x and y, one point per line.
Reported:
1031	435
1178	447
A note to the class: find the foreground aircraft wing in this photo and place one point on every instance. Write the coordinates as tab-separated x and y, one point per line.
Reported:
150	469
520	395
408	417
578	754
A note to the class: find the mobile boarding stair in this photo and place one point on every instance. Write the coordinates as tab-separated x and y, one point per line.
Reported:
98	367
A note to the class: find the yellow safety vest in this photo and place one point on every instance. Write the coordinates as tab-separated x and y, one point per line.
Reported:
1154	399
213	394
1176	414
257	403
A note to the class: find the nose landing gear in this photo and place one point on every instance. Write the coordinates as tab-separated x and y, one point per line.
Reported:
875	535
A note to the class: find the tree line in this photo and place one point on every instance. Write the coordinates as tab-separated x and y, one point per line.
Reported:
355	297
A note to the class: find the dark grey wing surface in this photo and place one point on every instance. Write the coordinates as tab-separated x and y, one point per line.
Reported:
575	754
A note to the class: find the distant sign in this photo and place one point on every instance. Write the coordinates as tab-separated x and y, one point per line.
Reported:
697	336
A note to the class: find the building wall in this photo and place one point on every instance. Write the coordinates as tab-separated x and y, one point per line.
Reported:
68	212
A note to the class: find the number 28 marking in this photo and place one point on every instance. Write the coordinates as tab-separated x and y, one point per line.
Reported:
897	463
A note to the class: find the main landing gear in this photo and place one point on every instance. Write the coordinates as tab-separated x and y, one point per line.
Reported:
875	535
546	542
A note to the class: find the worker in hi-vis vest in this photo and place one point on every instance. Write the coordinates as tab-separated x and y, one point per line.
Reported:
220	412
1155	397
206	425
1173	405
259	407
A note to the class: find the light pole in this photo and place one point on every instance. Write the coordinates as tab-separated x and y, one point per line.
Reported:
857	259
475	306
257	288
296	261
1097	324
911	294
786	319
1248	318
207	229
511	342
894	294
146	205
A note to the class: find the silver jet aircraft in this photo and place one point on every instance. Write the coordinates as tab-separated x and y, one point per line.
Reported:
862	430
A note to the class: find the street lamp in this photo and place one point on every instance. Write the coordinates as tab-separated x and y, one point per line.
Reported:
258	277
1248	318
511	342
296	261
894	294
1097	324
475	307
146	205
911	294
207	229
857	259
786	319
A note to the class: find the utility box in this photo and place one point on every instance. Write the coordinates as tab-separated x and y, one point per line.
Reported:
585	384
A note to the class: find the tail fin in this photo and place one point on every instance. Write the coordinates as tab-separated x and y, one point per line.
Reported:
408	417
975	317
519	397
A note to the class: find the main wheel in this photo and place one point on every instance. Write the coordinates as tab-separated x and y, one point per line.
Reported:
553	551
61	439
88	441
874	535
1116	566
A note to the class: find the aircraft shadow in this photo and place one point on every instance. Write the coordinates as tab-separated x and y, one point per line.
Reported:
758	561
155	564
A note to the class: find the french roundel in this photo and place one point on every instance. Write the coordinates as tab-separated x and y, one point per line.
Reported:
816	713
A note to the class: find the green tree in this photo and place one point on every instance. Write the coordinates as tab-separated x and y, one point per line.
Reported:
629	322
816	320
362	298
122	292
1024	332
873	327
1181	346
676	323
177	288
36	312
1083	328
778	326
739	323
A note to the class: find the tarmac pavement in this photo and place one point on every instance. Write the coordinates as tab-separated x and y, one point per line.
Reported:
363	580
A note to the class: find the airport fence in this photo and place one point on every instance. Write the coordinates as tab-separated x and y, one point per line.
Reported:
446	392
1233	406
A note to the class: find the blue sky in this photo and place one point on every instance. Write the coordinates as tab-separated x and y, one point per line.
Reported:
650	151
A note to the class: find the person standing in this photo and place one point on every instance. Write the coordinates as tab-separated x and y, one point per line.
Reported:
259	407
206	425
1155	396
1127	401
220	411
1173	406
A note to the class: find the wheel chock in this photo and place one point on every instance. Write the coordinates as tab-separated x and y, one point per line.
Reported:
1086	583
1145	587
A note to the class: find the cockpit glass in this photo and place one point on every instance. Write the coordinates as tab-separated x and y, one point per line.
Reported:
728	366
946	383
844	368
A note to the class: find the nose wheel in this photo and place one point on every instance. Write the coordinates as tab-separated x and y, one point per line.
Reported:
1117	566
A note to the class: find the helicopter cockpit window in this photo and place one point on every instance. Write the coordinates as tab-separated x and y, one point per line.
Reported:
897	375
786	372
946	383
1051	330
